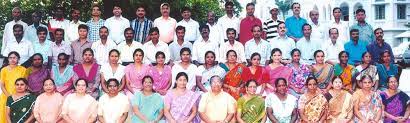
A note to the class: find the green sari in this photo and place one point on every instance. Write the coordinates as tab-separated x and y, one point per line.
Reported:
252	110
20	109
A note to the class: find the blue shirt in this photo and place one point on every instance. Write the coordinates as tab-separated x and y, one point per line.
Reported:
44	49
30	33
375	51
355	51
294	26
365	32
141	29
94	30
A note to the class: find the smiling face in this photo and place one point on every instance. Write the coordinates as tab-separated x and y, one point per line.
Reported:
251	88
112	88
140	12
21	87
209	59
49	86
81	87
114	57
147	84
392	83
182	82
276	57
296	57
281	87
88	57
320	57
337	84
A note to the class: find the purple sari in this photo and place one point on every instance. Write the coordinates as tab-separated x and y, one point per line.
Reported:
36	78
161	78
394	105
180	106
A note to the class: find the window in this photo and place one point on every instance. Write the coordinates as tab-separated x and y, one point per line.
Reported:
401	11
380	12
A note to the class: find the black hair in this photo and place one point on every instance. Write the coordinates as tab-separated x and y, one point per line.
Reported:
18	26
185	49
180	28
154	29
230	29
89	50
86	82
360	10
229	3
306	24
250	81
138	50
353	30
318	51
41	29
110	80
336	8
185	9
250	4
180	74
255	54
114	50
293	4
83	26
377	30
341	53
294	51
66	57
60	30
334	29
310	78
209	52
202	27
147	77
159	53
128	29
279	79
229	51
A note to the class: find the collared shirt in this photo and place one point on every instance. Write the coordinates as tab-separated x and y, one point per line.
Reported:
116	27
365	32
141	29
30	33
54	24
270	26
151	49
8	35
216	107
192	29
191	71
246	27
225	22
294	26
101	51
215	33
263	48
71	32
77	50
307	47
174	49
94	29
64	47
44	49
166	28
343	29
318	31
128	50
284	44
24	48
332	50
355	51
237	47
375	50
200	47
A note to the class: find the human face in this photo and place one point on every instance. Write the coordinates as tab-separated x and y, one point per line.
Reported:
312	85
140	12
282	88
379	35
386	57
367	84
62	61
21	87
88	57
75	15
360	16
147	84
129	35
337	14
13	59
36	18
256	60
232	57
181	82
229	10
355	36
367	58
296	9
42	36
114	57
117	11
96	11
59	13
103	33
16	13
48	86
37	61
250	10
216	85
251	89
185	56
180	34
307	31
81	87
393	84
282	29
165	10
186	14
161	59
276	57
205	33
257	32
154	36
314	15
58	36
211	17
296	57
334	34
231	36
337	84
320	57
210	59
344	58
82	33
112	88
18	33
274	12
138	57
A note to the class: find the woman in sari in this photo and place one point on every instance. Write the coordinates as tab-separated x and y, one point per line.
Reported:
396	103
340	103
251	107
88	70
147	105
20	104
385	69
366	68
300	73
8	76
322	71
62	74
161	73
79	107
255	73
312	105
206	71
367	106
134	73
37	73
233	82
47	107
345	71
180	103
281	106
275	70
113	70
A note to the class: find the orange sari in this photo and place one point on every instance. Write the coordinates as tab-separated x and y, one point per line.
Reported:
235	77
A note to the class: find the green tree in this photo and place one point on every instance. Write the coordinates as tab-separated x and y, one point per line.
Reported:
284	6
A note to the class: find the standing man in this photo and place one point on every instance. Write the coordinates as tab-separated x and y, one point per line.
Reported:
30	33
379	46
247	24
340	25
307	44
20	45
165	24
95	24
232	44
177	45
192	33
8	33
43	46
78	46
203	45
318	31
58	21
214	29
294	23
270	26
257	45
141	25
103	47
72	29
116	25
128	47
229	20
355	47
365	29
332	47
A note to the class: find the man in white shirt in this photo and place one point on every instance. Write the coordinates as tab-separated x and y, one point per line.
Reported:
128	47
30	33
340	25
8	35
191	26
153	46
43	46
165	24
257	45
116	25
231	44
58	21
59	45
20	45
283	42
72	29
318	30
103	47
177	45
229	20
203	45
307	44
332	47
214	29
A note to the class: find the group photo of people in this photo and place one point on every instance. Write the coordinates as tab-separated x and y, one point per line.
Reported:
227	70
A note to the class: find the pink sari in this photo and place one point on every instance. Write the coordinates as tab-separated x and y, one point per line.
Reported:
180	106
134	77
161	78
270	75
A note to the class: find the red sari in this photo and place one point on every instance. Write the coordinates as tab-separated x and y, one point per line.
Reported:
235	77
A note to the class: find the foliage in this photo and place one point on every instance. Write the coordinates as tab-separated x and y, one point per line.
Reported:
284	6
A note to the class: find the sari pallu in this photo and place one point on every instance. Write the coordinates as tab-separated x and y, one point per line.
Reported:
395	105
35	79
161	79
252	110
314	107
235	77
340	107
368	105
346	74
93	77
63	81
270	75
324	76
20	109
180	106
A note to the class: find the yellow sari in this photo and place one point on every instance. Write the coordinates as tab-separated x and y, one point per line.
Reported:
8	77
340	107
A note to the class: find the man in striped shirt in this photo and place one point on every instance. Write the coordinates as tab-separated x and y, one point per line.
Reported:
141	25
270	26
